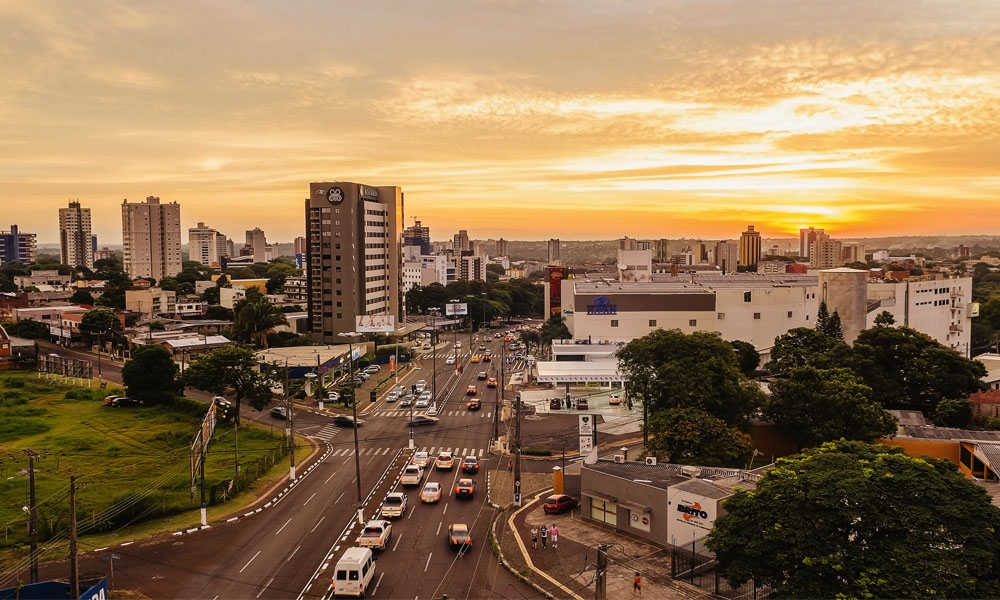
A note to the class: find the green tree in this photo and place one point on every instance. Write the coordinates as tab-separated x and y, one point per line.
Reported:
671	369
884	319
834	328
82	297
554	329
856	520
822	318
747	356
151	375
802	346
906	368
812	406
232	370
691	435
29	329
255	319
219	313
100	323
953	413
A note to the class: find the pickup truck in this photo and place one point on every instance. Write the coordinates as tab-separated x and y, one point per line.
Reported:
394	505
412	475
376	534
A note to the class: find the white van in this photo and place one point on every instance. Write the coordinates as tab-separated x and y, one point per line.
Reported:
354	573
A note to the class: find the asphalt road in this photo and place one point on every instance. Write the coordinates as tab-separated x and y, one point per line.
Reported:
290	546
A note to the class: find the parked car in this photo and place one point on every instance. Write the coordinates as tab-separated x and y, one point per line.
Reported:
465	488
125	401
558	503
470	464
615	399
333	396
581	404
459	536
372	369
110	400
376	534
555	403
431	492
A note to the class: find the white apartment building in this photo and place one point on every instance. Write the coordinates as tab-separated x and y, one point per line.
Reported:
76	242
941	308
206	245
471	267
151	302
151	238
421	270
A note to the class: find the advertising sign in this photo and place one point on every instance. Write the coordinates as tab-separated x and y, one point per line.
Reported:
453	309
586	425
374	323
586	444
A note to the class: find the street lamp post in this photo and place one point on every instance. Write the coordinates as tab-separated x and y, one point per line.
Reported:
354	414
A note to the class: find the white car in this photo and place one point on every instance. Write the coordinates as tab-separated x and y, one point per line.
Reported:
421	459
376	534
333	396
432	411
427	346
412	475
394	505
450	360
421	385
422	402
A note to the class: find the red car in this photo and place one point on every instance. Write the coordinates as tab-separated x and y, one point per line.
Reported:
471	391
558	503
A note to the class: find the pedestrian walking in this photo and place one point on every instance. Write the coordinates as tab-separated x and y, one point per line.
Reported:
545	536
554	534
534	537
637	584
510	465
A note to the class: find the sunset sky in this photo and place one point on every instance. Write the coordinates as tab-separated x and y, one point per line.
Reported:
515	119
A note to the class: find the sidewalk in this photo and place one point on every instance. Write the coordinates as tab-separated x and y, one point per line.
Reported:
569	571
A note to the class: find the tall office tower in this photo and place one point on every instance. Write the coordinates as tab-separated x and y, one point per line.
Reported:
749	247
661	251
300	245
151	238
727	255
256	241
471	267
418	235
826	254
626	243
76	243
353	263
460	243
203	245
553	251
14	245
806	239
502	247
853	253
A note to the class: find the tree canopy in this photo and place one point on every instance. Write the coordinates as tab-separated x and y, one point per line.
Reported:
856	520
231	370
151	375
255	319
802	346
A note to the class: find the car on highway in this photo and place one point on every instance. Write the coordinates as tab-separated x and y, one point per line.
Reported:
471	390
279	412
347	421
558	503
412	475
582	404
376	534
416	420
482	376
450	360
422	402
422	459
459	536
406	401
431	492
473	404
491	382
555	403
394	505
470	464
475	358
615	399
487	357
426	346
465	488
420	386
444	462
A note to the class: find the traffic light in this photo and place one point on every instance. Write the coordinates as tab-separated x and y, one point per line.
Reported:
371	396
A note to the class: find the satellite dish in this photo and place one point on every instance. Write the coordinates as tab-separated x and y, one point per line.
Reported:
622	266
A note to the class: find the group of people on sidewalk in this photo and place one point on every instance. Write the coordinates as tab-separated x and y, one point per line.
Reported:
545	533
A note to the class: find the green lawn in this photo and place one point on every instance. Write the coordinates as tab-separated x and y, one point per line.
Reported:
132	465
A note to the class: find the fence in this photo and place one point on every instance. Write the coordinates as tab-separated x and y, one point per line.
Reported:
695	564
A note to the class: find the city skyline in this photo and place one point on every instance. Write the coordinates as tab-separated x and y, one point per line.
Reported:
520	120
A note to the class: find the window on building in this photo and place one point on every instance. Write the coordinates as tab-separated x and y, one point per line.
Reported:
614	322
789	314
605	512
693	322
747	296
652	322
756	316
722	316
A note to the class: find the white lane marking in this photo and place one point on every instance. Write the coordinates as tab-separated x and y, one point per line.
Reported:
329	478
313	530
265	587
445	511
337	501
292	554
428	563
258	554
310	498
283	526
439	528
396	545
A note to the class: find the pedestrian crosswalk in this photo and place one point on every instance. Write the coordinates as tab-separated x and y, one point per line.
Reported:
441	413
456	451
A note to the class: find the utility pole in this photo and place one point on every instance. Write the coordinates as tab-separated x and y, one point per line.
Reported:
74	565
517	450
32	514
601	580
291	425
499	400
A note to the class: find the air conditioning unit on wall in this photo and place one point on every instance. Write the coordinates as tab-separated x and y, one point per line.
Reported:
650	460
619	458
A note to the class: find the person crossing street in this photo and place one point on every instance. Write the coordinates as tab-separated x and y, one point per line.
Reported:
544	532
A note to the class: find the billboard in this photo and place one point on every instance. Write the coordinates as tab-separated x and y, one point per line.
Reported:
374	323
452	309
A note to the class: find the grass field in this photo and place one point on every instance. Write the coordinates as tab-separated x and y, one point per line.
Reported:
132	465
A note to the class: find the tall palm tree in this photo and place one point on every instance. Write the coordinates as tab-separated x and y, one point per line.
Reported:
257	318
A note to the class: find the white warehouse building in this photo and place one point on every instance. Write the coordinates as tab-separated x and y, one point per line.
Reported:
758	308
